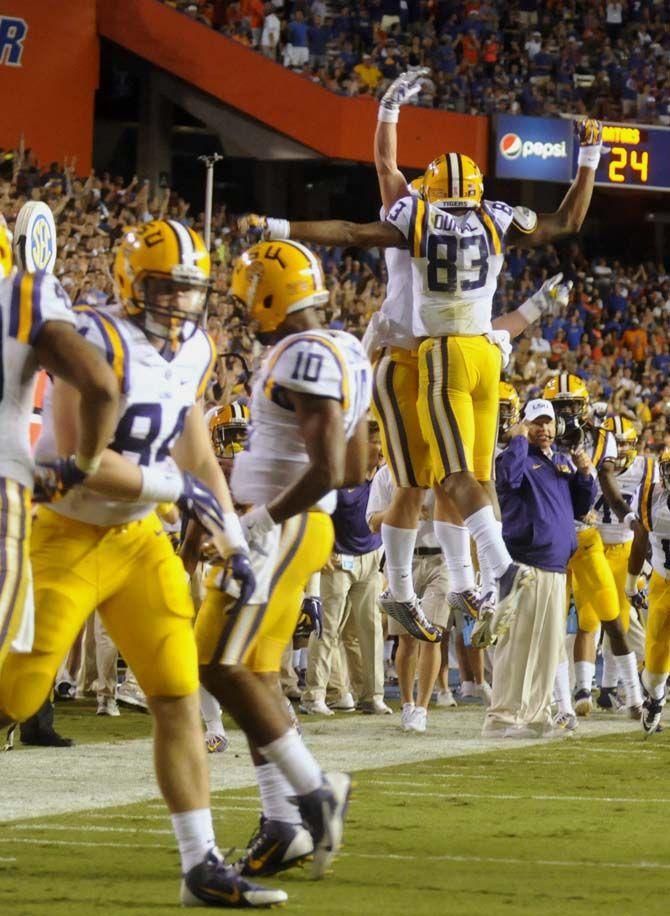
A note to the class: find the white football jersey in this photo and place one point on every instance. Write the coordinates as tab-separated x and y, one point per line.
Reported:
156	395
651	502
612	531
601	446
328	364
456	259
27	301
381	494
397	308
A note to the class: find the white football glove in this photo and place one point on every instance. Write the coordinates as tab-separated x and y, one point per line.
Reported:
590	135
404	88
263	228
549	299
503	341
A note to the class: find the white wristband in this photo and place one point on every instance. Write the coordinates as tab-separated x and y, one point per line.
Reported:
160	485
629	520
631	584
589	156
530	311
278	228
87	465
388	115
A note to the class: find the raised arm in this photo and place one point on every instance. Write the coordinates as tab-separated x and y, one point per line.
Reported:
547	300
392	182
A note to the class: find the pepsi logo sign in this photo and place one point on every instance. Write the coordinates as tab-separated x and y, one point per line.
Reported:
511	146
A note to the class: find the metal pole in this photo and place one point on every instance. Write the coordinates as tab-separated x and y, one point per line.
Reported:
210	162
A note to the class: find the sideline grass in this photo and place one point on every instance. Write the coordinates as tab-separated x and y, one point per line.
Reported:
573	825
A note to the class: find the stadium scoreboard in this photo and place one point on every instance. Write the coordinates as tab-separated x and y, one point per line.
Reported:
546	149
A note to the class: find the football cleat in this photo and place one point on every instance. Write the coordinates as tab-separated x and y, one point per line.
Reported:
323	812
652	710
566	720
583	703
216	743
515	578
608	700
409	614
467	602
275	847
215	883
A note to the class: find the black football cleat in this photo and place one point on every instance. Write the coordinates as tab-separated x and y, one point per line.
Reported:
323	812
45	738
275	847
652	710
215	883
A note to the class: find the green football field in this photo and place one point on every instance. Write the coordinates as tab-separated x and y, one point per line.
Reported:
457	825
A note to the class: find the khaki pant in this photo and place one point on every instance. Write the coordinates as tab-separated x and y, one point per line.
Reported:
97	671
350	619
526	657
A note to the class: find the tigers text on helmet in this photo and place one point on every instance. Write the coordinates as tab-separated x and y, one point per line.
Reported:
626	439
229	429
569	395
453	180
275	279
6	261
509	409
161	275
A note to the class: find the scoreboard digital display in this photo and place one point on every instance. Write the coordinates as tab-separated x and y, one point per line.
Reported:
638	158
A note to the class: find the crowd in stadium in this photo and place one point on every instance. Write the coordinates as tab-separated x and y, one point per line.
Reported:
615	332
486	57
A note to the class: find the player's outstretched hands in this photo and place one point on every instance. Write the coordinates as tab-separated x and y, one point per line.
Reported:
54	478
404	88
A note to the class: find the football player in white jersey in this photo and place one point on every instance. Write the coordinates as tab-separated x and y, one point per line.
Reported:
308	438
93	549
652	503
455	242
591	577
632	472
37	330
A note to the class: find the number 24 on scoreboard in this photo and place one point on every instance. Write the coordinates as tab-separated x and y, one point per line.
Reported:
620	158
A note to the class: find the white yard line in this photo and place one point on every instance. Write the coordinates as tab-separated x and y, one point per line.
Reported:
105	775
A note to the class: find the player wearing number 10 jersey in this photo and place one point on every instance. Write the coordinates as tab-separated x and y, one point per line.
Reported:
455	241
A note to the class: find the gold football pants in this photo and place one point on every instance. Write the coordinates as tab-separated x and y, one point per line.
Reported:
592	580
14	559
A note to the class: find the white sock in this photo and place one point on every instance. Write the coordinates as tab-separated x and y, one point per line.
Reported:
627	667
303	659
295	658
295	761
562	688
584	672
493	556
276	793
610	668
195	836
388	650
455	543
210	710
399	549
654	684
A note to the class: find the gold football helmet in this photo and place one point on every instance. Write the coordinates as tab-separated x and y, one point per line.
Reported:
453	180
274	279
510	408
664	468
6	262
229	428
626	439
569	395
416	186
161	275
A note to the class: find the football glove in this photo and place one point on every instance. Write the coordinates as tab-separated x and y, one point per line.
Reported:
54	478
240	571
590	135
311	617
503	342
549	299
636	592
263	228
402	90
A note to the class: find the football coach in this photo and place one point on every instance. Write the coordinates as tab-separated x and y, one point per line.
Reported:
541	490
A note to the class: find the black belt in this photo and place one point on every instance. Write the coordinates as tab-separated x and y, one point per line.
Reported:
427	551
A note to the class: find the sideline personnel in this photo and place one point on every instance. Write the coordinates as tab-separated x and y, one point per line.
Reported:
541	491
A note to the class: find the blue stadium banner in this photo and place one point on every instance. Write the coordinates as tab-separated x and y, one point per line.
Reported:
534	149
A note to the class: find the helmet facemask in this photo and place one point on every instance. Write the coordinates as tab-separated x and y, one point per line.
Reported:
171	308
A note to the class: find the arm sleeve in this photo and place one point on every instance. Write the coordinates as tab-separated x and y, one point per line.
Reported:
35	299
511	463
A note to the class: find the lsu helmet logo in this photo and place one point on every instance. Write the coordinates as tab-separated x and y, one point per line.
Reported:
511	146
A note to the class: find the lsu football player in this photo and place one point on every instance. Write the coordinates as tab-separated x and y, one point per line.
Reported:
102	546
308	438
652	502
455	241
633	472
592	580
37	329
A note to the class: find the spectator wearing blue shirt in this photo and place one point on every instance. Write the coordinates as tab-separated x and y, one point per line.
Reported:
318	36
574	332
541	491
296	54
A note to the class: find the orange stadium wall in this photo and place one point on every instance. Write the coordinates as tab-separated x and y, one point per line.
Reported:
48	76
334	126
